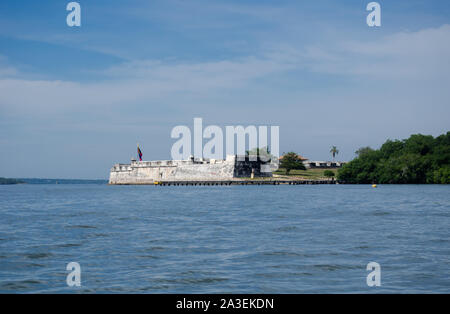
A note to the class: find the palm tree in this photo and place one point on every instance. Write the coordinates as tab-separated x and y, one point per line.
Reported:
334	151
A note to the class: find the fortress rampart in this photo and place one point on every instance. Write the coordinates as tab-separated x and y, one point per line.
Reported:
148	172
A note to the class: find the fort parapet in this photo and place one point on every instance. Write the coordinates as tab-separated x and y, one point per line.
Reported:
149	172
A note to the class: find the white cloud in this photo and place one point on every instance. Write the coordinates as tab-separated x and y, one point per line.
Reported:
402	56
137	81
6	70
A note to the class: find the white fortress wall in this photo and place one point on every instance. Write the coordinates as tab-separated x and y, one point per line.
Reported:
147	172
171	170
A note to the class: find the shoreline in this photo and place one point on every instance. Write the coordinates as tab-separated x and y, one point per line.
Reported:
233	182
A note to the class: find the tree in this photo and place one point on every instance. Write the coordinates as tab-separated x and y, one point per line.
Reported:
291	161
363	150
334	151
328	173
10	181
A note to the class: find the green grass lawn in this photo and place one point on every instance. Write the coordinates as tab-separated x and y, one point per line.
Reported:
313	174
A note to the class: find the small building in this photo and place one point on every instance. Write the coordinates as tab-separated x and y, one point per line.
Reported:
313	164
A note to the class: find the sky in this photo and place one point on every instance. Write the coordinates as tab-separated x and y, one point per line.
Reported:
76	100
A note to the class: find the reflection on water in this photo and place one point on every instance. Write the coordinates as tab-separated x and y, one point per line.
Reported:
239	239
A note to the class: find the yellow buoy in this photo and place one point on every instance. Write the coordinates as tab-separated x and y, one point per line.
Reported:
374	185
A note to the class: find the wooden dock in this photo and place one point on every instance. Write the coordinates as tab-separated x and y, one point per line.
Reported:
245	182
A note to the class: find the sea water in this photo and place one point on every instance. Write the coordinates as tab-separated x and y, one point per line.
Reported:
224	239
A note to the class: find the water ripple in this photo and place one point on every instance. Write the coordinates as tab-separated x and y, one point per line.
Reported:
272	239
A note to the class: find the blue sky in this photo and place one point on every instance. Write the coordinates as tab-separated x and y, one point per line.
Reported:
73	101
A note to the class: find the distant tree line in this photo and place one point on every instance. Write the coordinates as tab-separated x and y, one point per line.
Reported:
10	181
418	159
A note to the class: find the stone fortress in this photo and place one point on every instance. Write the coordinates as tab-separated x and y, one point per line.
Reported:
149	172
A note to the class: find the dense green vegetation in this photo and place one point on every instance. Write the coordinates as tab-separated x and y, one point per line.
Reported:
418	159
10	181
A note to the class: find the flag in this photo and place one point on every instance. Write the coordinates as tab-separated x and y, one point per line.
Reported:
139	153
